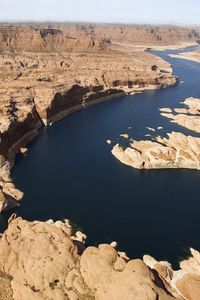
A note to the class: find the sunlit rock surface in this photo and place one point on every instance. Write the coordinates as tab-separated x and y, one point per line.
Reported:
175	151
67	68
187	117
41	261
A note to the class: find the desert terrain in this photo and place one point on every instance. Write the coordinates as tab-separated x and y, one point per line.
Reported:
47	72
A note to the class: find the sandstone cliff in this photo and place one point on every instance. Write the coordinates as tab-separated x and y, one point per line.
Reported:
41	87
73	37
145	34
37	38
134	34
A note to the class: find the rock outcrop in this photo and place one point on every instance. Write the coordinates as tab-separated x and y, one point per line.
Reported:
176	151
185	280
42	260
187	117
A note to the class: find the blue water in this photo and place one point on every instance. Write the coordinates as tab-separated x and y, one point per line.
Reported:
69	172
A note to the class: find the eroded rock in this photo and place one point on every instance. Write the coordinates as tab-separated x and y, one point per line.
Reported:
67	69
176	151
43	262
187	117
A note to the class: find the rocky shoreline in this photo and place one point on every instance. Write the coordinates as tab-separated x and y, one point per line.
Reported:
45	260
188	117
10	199
175	151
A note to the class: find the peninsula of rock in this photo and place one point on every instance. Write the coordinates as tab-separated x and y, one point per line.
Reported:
174	151
188	117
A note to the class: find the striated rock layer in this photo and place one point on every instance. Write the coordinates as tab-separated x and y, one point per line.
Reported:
144	34
61	37
25	37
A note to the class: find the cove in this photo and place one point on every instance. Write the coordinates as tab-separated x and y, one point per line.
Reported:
69	172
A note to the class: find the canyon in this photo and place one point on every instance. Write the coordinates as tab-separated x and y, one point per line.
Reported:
39	87
46	74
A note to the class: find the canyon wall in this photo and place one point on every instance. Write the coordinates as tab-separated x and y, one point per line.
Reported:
141	34
36	38
42	86
76	37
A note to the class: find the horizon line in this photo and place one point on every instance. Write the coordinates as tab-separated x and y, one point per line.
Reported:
20	21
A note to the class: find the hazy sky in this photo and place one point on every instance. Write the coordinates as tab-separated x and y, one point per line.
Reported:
131	11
